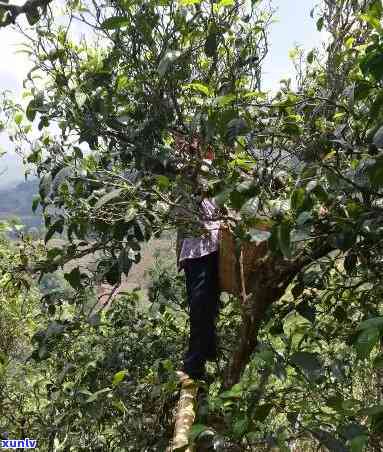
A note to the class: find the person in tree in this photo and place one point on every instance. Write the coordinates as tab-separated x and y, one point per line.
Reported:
198	255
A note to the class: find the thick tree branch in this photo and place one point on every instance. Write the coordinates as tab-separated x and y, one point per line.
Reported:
9	13
269	281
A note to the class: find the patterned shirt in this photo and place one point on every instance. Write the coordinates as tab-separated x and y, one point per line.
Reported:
193	247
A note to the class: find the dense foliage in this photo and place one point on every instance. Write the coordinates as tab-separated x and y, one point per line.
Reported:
301	361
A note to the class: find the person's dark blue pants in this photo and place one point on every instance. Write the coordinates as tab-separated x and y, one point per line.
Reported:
203	297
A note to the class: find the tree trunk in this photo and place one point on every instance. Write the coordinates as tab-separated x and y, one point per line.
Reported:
376	440
269	281
185	414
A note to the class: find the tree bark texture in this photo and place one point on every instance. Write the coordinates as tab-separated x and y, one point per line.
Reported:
185	415
269	279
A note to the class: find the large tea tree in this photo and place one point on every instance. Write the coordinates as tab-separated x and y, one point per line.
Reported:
156	71
304	164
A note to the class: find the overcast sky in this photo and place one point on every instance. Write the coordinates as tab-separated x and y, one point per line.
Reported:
293	26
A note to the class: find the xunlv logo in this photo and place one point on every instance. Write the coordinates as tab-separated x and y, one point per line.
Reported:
18	443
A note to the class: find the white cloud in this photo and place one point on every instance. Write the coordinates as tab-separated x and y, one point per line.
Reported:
293	25
13	66
13	69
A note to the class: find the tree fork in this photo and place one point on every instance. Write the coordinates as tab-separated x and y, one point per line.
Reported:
269	282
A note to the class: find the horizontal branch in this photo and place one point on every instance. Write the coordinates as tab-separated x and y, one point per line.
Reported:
9	13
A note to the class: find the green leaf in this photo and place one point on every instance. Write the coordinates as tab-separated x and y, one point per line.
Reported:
371	411
61	177
254	95
74	278
119	405
18	226
284	240
240	427
378	362
279	207
94	319
18	118
200	87
162	181
31	110
327	439
57	226
262	411
110	196
309	363
376	322
304	308
45	185
35	203
196	430
115	22
54	252
366	341
378	138
245	186
3	12
80	98
353	430
297	291
373	21
3	358
97	394
250	208
211	45
344	240
222	101
375	173
43	352
226	3
223	197
236	127
359	443
130	215
118	377
297	198
304	218
189	2
54	329
125	261
320	23
32	14
266	355
350	263
310	57
35	156
373	64
234	393
4	227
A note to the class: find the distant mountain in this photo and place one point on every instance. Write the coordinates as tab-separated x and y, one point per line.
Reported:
17	202
11	166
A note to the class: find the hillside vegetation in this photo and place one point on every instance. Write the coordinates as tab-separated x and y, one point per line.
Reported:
16	202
